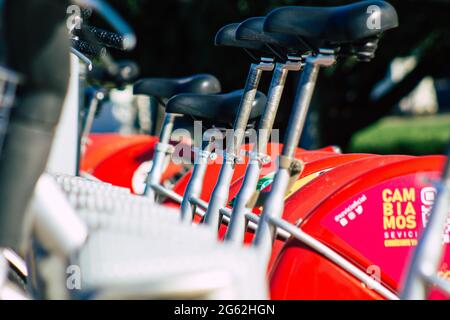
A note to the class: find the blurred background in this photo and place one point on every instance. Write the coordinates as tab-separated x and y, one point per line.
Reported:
398	103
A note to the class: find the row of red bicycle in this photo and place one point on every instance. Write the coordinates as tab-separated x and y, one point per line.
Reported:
369	209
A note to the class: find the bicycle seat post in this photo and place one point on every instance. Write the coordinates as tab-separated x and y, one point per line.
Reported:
237	225
194	187
232	155
163	89
163	150
287	164
97	98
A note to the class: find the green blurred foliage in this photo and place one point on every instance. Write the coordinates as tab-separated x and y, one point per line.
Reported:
404	135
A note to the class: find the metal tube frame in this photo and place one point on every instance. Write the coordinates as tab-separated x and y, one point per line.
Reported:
236	228
288	165
232	155
97	98
8	291
283	229
194	187
163	151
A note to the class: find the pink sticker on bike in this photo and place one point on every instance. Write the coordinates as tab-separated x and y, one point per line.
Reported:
384	222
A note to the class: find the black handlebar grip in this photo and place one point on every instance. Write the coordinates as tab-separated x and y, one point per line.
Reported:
87	49
106	38
86	13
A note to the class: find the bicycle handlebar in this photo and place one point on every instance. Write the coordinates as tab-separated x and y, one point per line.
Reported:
127	36
105	38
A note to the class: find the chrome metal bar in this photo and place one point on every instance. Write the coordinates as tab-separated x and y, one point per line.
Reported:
98	96
160	190
3	271
252	222
9	260
332	256
199	203
275	93
194	187
440	282
163	149
430	248
275	203
83	58
15	260
220	194
236	229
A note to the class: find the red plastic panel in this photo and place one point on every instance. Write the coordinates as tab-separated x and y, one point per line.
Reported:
314	193
114	158
373	221
302	274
